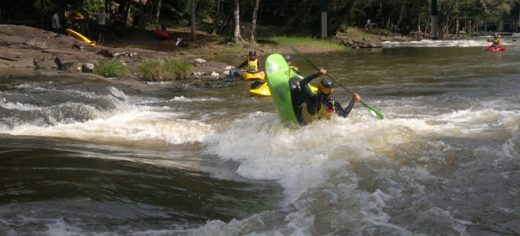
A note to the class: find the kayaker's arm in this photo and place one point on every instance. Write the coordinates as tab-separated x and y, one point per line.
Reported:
343	112
309	78
243	64
304	85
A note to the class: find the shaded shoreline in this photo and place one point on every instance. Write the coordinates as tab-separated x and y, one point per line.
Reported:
31	51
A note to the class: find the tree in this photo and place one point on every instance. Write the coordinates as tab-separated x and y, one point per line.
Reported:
253	22
236	35
158	11
193	19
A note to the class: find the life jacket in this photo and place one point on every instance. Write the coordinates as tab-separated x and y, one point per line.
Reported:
252	65
496	42
324	112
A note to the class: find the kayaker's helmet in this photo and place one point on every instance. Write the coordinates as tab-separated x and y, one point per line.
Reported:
288	58
325	87
252	53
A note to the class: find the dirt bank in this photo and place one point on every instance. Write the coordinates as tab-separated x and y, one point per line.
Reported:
26	50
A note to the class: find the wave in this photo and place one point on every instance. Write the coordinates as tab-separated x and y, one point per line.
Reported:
357	175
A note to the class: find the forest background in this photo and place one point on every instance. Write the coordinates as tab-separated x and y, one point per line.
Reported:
287	17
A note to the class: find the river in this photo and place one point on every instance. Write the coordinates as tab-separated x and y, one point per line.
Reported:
79	157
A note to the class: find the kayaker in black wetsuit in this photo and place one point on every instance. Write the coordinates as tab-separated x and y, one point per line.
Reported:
309	106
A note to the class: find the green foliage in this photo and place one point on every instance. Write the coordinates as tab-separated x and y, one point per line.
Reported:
162	70
47	6
93	6
296	17
308	41
111	69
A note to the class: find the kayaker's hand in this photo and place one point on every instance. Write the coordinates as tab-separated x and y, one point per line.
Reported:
356	98
322	71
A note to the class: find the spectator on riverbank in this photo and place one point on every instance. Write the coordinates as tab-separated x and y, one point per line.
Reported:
85	22
101	19
118	25
56	22
161	33
67	15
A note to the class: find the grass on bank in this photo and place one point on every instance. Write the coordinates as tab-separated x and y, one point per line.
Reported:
164	70
267	45
307	41
358	34
111	69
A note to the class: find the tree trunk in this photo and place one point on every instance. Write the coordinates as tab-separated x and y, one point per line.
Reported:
217	16
236	35
193	27
457	26
401	14
41	13
419	24
445	18
253	22
158	11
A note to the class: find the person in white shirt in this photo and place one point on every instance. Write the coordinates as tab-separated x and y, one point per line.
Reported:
56	24
102	19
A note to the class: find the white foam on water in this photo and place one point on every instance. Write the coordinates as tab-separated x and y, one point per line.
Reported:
137	124
297	158
185	99
19	106
511	147
436	43
314	164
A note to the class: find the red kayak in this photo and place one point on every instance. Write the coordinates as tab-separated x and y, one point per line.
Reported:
496	49
162	35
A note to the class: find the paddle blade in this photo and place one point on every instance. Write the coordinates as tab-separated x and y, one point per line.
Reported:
374	111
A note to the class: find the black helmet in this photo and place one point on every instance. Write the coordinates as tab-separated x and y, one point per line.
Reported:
252	53
326	86
288	58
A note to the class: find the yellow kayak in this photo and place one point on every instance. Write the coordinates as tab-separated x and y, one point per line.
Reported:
260	89
80	37
259	75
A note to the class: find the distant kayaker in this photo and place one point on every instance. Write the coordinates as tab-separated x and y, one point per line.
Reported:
251	65
288	59
496	41
309	106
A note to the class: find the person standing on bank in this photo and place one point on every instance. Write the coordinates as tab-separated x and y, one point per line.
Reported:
102	19
56	23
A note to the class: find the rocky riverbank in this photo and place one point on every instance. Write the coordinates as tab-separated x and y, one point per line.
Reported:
26	50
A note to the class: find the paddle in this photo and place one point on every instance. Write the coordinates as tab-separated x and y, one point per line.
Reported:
373	110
